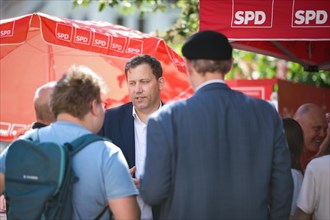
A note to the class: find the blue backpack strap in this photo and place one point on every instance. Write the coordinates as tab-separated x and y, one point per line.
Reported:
81	142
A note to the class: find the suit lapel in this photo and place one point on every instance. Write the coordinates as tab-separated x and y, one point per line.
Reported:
128	135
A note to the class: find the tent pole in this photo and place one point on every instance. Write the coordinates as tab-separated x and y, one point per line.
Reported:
51	64
287	52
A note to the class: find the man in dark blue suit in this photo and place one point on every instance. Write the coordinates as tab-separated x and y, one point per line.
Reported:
126	125
219	154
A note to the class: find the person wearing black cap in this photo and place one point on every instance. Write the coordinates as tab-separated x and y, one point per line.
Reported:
219	154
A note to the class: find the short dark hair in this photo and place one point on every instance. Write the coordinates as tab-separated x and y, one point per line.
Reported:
144	58
295	138
204	66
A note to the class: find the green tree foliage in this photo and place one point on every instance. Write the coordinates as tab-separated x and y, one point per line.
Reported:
247	65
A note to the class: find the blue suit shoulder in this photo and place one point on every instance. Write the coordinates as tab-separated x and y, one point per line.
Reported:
120	109
114	116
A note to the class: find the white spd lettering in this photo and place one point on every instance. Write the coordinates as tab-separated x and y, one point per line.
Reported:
116	46
63	36
5	33
133	50
81	39
98	42
244	17
304	17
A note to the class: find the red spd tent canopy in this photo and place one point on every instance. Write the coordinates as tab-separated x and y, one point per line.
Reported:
294	30
38	48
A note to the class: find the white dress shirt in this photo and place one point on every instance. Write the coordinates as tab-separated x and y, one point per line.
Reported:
140	133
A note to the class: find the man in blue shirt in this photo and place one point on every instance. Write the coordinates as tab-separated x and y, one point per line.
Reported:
104	178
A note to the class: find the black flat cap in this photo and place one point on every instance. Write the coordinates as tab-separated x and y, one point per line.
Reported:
208	45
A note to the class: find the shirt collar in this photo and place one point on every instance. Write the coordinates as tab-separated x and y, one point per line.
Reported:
209	82
135	115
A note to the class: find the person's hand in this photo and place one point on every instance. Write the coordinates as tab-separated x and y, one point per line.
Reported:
2	203
135	180
327	115
327	137
325	145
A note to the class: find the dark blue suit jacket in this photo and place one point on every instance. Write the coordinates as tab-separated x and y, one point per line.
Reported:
217	155
118	126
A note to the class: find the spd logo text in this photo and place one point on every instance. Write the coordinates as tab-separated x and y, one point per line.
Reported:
5	33
63	32
307	17
250	17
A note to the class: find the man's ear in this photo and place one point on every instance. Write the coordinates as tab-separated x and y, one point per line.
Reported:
94	106
161	82
186	63
2	183
187	66
232	64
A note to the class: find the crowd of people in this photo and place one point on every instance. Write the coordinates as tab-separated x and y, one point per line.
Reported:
219	154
